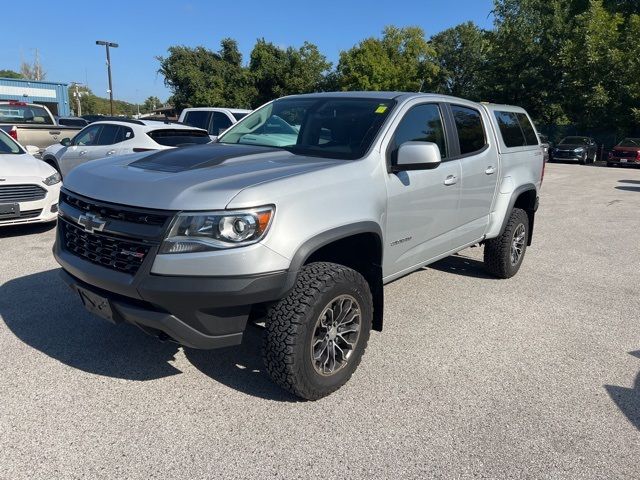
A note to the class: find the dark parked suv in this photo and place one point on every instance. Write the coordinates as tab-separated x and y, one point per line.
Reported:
581	149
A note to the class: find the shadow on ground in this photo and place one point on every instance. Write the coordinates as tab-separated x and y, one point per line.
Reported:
42	312
633	182
628	188
25	229
628	399
461	265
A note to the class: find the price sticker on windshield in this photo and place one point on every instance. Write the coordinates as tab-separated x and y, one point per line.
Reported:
381	108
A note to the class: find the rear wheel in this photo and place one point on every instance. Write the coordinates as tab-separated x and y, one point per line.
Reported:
503	255
316	336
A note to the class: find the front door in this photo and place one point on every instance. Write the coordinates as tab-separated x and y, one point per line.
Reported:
422	204
77	152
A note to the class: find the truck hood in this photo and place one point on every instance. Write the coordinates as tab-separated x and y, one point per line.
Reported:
202	177
23	165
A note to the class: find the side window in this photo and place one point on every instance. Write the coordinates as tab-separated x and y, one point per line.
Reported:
108	135
88	137
423	123
124	133
510	129
198	119
219	123
470	129
527	129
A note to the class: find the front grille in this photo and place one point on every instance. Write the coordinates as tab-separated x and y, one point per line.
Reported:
114	212
25	214
108	251
21	193
565	154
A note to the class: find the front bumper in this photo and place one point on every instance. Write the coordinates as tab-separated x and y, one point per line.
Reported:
623	161
37	211
195	311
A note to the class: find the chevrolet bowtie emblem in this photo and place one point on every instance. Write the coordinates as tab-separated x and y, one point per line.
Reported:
91	223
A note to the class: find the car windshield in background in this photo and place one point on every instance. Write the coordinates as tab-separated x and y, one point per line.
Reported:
630	142
179	138
574	141
7	145
24	114
331	127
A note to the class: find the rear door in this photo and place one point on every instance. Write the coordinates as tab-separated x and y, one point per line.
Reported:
479	164
106	144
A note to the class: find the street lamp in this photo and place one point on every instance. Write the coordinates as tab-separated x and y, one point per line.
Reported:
107	45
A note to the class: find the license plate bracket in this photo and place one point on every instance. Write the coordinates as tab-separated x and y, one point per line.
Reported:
9	210
96	304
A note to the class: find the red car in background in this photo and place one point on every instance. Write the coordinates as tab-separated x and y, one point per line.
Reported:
626	152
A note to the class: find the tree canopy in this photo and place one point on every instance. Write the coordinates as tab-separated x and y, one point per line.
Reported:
565	61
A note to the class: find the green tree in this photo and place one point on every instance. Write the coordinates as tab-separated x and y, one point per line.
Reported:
150	104
461	53
277	71
200	77
9	74
401	60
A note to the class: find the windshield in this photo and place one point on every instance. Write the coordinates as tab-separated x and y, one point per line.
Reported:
7	145
331	127
17	113
630	142
574	141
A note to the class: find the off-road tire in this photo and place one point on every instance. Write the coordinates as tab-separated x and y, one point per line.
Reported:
497	251
290	326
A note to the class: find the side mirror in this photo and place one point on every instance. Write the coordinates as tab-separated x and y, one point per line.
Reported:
417	156
32	150
65	141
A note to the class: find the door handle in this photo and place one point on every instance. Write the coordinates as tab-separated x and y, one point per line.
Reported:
490	170
451	180
111	152
82	152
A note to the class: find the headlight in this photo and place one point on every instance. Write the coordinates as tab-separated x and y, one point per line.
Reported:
53	179
206	231
579	150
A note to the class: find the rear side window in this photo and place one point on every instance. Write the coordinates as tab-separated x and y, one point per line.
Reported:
510	129
470	129
179	138
219	123
108	135
527	129
21	113
198	119
423	123
238	116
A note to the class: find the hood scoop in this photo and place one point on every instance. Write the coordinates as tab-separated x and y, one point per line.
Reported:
177	160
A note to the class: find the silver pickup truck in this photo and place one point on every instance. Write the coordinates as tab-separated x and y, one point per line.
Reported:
32	124
299	214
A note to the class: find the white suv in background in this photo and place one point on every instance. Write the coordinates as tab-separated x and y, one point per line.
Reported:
213	120
110	138
29	188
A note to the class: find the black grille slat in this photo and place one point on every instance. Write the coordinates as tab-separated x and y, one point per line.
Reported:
23	215
21	193
109	212
114	253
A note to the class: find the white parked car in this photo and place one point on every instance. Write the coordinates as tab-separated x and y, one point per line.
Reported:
29	188
213	120
110	138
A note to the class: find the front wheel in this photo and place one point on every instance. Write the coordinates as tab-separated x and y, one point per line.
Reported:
503	255
315	337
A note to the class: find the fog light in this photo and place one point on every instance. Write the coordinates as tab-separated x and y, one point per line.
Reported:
54	208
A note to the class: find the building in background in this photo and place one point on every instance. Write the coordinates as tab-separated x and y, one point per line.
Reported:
53	95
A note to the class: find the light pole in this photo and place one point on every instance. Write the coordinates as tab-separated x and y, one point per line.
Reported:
107	45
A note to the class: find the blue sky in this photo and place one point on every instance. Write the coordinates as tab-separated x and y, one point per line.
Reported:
145	29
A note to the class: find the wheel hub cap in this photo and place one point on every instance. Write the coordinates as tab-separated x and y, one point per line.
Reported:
517	244
335	335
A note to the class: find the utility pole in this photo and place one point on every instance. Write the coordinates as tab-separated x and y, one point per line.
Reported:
107	45
77	94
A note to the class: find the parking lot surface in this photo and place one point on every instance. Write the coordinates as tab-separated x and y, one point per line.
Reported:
532	377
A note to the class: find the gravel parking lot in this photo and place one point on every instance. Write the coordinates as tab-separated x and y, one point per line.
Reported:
533	377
